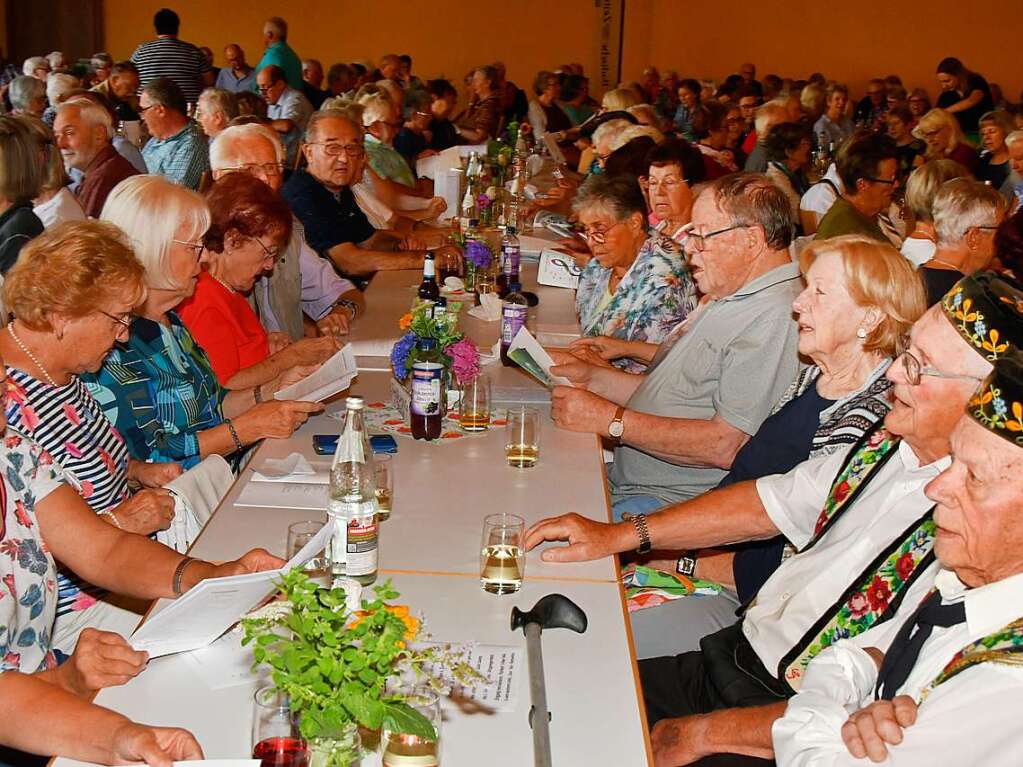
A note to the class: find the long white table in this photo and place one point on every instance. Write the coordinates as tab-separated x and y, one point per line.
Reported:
430	549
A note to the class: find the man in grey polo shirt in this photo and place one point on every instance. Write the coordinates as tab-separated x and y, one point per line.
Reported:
714	380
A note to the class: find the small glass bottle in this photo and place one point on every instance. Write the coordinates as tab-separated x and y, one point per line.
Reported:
429	290
353	549
510	258
513	317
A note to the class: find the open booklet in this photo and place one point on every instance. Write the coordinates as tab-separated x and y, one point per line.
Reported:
214	605
527	353
328	379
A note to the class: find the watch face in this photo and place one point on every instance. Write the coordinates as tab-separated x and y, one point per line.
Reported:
616	429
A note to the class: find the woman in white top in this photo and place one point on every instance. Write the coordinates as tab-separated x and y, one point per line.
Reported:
55	203
922	186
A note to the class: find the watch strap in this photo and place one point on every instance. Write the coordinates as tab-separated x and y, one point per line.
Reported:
639	522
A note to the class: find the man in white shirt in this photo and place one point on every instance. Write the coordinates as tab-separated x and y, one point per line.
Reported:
857	560
286	107
947	690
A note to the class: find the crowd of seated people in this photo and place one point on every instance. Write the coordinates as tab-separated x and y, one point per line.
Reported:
801	339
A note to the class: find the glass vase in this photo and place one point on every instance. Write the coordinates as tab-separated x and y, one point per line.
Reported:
341	749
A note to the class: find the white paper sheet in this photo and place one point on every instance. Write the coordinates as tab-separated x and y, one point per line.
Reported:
501	665
524	340
294	468
284	495
214	605
374	347
332	376
225	663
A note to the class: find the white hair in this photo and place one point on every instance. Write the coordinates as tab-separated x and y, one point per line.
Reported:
23	90
91	113
152	210
375	108
606	132
55	58
226	151
768	115
632	132
1014	137
963	204
57	84
32	63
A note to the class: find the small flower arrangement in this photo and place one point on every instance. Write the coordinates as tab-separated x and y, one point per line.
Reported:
459	354
478	254
342	668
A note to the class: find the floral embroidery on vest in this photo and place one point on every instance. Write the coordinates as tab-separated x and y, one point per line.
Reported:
1003	646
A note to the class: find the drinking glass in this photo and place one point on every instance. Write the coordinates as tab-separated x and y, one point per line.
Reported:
276	741
502	560
448	265
300	533
383	471
474	404
397	748
522	437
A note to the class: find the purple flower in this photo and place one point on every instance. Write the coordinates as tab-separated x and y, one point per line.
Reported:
479	254
399	355
484	201
465	360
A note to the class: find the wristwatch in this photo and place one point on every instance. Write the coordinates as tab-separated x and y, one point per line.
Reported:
686	565
639	522
617	426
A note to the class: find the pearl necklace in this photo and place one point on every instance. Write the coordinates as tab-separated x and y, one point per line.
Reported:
226	286
31	356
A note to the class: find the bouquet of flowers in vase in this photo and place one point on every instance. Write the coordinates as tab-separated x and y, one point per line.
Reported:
459	354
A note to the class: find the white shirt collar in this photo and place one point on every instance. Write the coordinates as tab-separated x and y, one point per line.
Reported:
988	607
912	462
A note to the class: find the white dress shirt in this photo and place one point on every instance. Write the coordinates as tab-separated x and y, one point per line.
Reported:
808	584
970	719
819	198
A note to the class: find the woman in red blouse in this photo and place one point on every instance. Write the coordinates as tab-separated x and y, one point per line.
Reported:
250	227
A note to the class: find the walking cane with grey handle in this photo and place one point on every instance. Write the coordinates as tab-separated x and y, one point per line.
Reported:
554	611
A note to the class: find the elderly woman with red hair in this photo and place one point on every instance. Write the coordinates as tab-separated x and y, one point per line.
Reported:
249	229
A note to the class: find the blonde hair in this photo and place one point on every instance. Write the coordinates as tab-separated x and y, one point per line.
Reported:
73	268
878	276
924	182
626	135
151	210
21	173
935	120
54	174
646	114
376	108
620	99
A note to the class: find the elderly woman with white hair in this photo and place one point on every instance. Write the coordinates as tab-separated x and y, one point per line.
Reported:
636	287
382	122
27	95
944	138
58	85
967	214
921	187
37	67
158	387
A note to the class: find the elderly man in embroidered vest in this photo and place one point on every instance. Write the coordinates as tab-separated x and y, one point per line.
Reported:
860	523
947	690
302	284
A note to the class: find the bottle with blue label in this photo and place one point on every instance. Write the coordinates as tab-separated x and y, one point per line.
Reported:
426	407
513	317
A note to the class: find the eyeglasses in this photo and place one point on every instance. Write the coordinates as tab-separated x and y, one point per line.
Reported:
196	247
334	149
124	322
986	228
255	169
914	371
888	181
698	242
273	255
669	185
598	236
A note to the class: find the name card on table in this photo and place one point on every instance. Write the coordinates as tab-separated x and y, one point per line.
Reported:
210	608
558	270
333	376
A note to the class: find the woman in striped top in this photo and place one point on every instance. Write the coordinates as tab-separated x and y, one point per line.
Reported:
72	291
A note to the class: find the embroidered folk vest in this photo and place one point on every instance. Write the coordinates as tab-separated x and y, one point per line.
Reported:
1003	646
875	594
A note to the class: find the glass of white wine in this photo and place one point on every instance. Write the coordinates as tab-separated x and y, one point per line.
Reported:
383	471
474	404
399	749
522	437
502	559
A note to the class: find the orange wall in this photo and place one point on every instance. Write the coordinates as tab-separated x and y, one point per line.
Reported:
450	36
442	36
793	38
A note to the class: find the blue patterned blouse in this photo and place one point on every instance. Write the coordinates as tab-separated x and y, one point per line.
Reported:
654	296
160	392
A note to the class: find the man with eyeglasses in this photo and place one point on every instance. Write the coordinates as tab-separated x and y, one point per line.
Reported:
286	107
967	214
320	195
871	109
302	285
713	380
177	150
861	525
869	169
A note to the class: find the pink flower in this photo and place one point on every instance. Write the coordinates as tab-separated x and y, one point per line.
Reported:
465	360
858	606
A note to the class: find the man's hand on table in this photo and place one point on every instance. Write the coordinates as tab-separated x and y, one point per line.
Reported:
579	410
587	538
101	659
871	730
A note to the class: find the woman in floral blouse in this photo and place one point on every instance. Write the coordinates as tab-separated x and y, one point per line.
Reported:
636	287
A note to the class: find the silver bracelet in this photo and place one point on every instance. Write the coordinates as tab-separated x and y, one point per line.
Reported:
234	435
